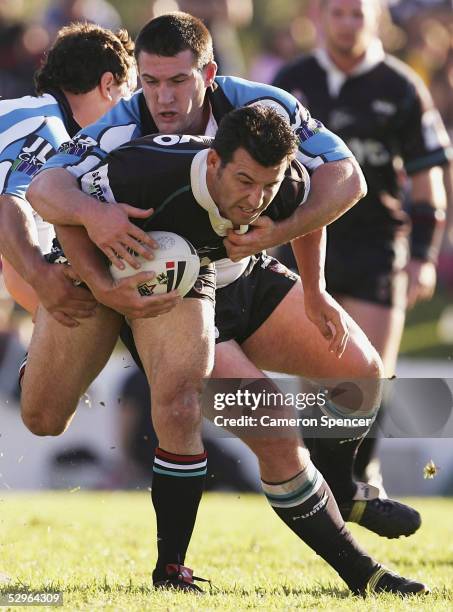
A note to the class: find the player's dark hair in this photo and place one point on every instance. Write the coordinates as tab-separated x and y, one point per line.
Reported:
172	33
81	54
260	130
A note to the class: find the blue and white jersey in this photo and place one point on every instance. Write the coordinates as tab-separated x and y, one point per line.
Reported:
31	131
130	119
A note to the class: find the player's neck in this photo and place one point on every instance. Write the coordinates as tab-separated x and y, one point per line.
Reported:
204	117
346	62
86	108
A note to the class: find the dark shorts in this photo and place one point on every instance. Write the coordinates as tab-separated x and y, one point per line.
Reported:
372	273
243	306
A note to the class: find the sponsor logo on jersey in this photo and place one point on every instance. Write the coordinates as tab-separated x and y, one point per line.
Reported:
369	151
78	146
169	140
96	184
340	119
309	129
33	155
384	107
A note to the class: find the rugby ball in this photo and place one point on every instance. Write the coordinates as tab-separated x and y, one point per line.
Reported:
176	266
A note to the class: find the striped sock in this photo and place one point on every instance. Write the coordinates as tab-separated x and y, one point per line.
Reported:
306	504
178	482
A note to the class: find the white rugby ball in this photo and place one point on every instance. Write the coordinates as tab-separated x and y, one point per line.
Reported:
176	266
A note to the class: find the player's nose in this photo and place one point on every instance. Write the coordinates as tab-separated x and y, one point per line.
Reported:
256	197
165	94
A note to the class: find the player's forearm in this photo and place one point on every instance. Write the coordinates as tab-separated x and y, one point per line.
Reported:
56	196
310	254
335	188
87	261
19	239
427	210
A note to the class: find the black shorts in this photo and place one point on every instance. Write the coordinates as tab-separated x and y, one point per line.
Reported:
243	306
368	272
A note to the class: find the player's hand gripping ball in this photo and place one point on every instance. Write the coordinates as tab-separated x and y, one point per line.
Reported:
176	266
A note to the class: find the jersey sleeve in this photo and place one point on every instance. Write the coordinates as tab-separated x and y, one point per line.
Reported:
317	144
31	130
93	143
422	134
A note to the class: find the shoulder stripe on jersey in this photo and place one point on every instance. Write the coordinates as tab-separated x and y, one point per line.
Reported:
4	169
20	130
115	136
7	106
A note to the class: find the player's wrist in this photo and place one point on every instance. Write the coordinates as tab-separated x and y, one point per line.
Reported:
428	225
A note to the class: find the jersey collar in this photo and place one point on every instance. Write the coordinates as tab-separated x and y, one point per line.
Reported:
336	77
201	193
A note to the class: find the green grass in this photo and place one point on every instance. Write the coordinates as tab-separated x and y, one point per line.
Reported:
98	548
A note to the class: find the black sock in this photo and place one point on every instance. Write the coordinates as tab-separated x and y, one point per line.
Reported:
178	482
335	456
306	504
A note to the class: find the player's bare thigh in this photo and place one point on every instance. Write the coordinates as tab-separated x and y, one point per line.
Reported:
177	352
383	325
62	362
288	342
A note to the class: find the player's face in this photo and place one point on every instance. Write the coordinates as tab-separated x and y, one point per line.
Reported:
350	25
174	90
243	188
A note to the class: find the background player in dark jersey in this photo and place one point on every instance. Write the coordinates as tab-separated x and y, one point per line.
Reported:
71	93
384	112
264	317
233	182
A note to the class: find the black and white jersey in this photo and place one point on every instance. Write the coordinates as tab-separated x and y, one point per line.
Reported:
168	173
385	115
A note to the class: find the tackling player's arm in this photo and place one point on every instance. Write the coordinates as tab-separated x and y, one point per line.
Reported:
51	285
335	188
56	196
120	295
320	307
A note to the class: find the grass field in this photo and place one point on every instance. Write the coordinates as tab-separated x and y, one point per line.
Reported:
98	548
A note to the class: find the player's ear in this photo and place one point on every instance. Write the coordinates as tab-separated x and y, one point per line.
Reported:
213	160
106	83
209	72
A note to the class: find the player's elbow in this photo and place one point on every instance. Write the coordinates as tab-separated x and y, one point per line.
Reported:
349	184
359	186
36	191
